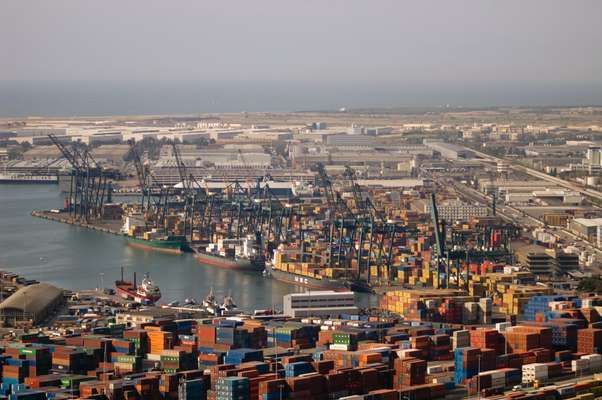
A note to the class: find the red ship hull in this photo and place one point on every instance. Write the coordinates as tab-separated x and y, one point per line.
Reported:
128	291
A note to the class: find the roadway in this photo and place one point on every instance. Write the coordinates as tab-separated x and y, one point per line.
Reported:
528	222
542	175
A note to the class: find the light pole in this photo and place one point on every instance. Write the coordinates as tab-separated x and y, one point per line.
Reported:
479	376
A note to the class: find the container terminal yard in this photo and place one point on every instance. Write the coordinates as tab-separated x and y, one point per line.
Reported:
486	273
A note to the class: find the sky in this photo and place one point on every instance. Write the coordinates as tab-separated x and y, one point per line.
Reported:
279	54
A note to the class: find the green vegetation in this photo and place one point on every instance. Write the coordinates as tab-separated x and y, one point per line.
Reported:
593	284
16	152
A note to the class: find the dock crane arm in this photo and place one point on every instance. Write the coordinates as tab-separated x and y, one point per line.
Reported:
437	225
71	157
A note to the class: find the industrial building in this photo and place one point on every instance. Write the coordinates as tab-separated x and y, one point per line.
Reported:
450	150
547	197
585	227
32	303
345	140
322	303
453	210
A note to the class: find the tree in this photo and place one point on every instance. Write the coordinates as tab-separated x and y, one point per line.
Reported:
593	284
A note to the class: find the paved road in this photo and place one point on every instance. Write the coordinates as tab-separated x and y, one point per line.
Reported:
529	222
541	175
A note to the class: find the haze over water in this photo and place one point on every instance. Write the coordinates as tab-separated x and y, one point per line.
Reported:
19	99
73	257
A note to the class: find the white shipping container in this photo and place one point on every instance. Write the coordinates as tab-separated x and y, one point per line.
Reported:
343	347
434	369
502	326
580	365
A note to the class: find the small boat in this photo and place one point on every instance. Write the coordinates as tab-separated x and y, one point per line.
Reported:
209	300
190	302
228	303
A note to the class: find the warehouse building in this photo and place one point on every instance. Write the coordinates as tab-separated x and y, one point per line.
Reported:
453	210
344	140
450	151
585	227
33	304
323	303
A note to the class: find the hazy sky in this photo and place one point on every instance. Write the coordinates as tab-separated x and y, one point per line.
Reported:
368	43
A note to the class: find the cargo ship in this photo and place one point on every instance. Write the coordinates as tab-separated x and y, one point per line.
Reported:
310	275
137	236
145	293
27	178
239	254
315	282
165	244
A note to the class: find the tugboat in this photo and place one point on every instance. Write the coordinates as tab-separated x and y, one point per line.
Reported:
146	293
228	304
211	305
209	301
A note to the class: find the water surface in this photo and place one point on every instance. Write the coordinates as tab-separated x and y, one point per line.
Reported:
76	258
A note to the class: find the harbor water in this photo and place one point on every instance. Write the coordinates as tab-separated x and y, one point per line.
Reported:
72	257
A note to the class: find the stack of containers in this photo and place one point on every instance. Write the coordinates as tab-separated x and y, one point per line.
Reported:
126	362
184	326
297	368
440	347
589	341
206	334
344	341
498	378
524	338
422	343
140	339
487	338
554	369
580	366
159	341
148	387
293	335
307	386
274	389
460	339
451	311
564	334
208	358
73	381
232	388
564	355
227	336
540	305
189	342
238	356
513	376
409	372
502	326
485	310
40	359
193	389
69	359
595	362
470	312
173	361
466	363
14	371
535	372
124	346
42	381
